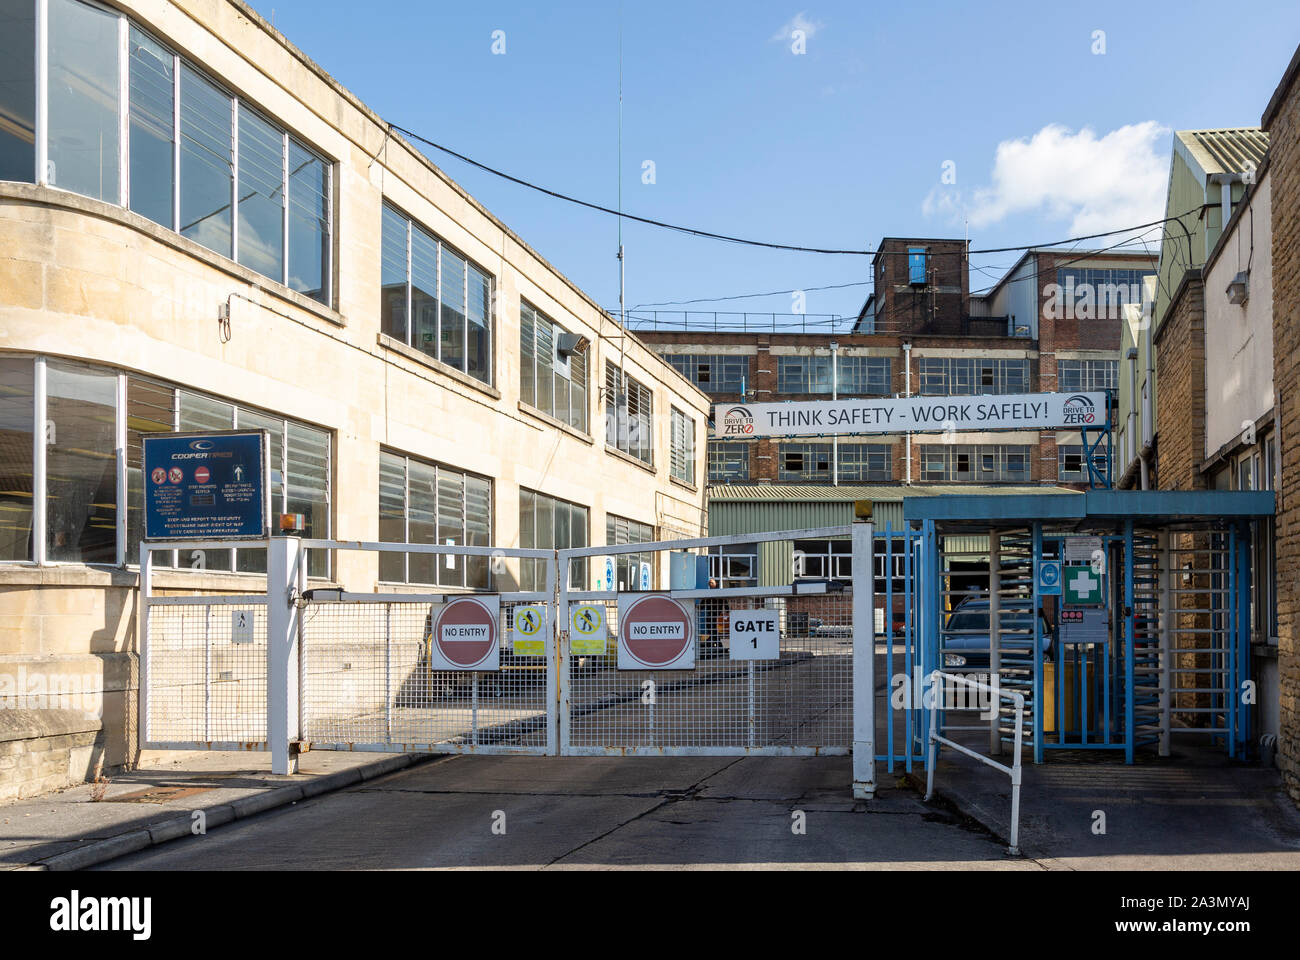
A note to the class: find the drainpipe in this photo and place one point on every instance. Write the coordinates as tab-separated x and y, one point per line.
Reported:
835	395
1151	384
907	387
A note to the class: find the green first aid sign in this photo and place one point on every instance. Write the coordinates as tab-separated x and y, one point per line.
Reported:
1082	586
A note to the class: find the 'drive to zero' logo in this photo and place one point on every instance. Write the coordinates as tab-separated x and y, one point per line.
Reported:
737	422
1079	410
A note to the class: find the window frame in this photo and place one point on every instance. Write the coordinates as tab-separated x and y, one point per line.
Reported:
125	25
491	321
534	317
438	468
121	463
682	446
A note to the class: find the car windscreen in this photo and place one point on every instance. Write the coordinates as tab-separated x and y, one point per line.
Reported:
973	620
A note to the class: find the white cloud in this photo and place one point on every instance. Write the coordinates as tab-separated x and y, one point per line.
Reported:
799	22
1098	184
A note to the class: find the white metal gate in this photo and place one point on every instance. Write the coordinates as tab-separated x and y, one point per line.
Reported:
326	668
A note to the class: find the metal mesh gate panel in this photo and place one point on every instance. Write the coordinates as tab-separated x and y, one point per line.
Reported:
799	703
206	680
367	685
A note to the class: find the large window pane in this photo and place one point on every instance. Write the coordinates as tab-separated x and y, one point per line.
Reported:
16	418
261	195
527	539
81	464
452	292
250	560
207	163
392	515
478	359
478	530
423	520
17	92
84	100
451	526
204	413
545	365
527	355
424	292
309	238
153	95
392	276
149	409
307	488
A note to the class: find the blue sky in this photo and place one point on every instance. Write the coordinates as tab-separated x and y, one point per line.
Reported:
835	147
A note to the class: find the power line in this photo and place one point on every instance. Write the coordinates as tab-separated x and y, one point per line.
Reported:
707	234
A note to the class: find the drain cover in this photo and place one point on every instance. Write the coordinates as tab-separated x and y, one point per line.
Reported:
157	795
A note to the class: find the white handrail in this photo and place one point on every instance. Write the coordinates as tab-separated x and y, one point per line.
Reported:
1013	771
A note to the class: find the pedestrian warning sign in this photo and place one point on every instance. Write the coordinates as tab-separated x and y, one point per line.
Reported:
529	637
587	632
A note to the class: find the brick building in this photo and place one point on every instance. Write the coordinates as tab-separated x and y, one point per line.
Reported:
1051	324
1282	121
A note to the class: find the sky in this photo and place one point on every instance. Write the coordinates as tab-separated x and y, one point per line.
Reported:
806	123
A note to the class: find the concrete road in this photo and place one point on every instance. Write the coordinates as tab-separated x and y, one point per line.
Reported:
600	813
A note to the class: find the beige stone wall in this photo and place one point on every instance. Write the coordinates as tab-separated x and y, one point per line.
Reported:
92	281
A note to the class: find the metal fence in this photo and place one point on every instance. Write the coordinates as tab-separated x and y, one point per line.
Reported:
203	665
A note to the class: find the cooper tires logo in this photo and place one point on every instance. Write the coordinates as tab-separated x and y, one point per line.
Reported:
737	422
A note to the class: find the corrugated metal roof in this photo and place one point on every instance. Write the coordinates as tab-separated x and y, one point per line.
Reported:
1226	150
819	492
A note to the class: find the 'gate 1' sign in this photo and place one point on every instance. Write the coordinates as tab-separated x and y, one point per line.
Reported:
465	635
755	635
655	632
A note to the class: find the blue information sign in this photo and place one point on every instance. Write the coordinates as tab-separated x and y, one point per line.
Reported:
204	486
1049	577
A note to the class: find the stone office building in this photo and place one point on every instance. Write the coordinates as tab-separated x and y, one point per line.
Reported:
199	230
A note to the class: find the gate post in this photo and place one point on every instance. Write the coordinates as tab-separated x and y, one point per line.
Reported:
864	663
282	561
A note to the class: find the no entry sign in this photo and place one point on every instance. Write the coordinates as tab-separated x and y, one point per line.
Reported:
655	632
465	635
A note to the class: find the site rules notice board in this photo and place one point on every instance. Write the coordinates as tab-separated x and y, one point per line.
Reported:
205	486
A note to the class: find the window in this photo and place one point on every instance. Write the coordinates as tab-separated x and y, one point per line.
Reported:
682	454
916	265
80	463
17	95
1072	463
433	299
261	194
712	373
152	133
979	464
207	164
1076	375
83	141
734	566
867	462
422	502
805	461
550	380
17	420
823	560
247	188
546	523
728	462
968	376
629	415
627	566
93	419
857	376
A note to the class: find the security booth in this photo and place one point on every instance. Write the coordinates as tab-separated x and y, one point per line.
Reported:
1122	617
